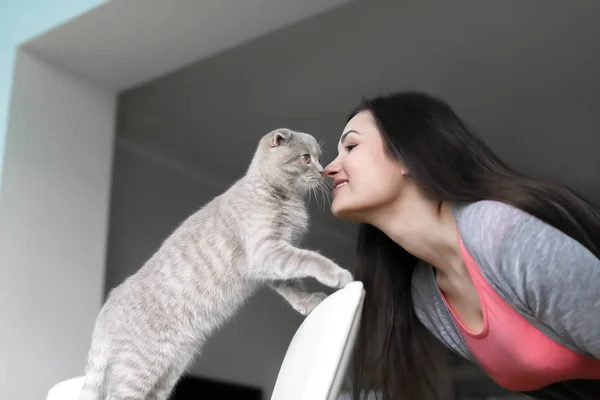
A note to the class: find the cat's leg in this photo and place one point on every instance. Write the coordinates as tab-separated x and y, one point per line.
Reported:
166	385
125	383
161	390
275	261
168	380
294	293
127	390
133	374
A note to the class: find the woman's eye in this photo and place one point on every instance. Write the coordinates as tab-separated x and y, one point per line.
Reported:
350	147
306	158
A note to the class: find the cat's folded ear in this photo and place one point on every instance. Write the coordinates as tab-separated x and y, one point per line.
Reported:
280	136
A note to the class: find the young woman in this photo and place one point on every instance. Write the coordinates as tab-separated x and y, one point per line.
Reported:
456	246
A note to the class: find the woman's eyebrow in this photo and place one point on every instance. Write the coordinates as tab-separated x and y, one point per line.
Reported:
343	138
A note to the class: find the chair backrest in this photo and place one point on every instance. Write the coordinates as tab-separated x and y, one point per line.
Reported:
68	389
318	355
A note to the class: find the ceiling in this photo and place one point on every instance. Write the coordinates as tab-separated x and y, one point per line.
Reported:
123	43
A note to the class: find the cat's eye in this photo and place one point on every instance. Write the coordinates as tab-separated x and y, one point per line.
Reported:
306	158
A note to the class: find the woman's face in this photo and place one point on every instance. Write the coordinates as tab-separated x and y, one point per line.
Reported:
365	177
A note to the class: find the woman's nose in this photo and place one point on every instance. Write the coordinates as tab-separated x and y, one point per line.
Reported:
331	169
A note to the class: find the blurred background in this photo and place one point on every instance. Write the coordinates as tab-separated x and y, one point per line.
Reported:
163	116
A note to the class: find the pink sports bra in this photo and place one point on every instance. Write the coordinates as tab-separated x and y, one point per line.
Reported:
514	353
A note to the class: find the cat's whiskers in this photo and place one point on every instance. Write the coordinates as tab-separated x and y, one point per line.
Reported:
318	194
319	187
326	187
311	188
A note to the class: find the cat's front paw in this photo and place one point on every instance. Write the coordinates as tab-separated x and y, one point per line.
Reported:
311	302
344	277
337	277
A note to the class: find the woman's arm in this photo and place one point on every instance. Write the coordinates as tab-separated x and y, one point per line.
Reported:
558	279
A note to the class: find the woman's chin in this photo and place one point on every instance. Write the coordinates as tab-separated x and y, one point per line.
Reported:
342	211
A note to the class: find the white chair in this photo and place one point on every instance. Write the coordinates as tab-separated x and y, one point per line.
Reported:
66	390
316	360
318	356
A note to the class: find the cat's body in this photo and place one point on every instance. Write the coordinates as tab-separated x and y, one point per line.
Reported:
154	324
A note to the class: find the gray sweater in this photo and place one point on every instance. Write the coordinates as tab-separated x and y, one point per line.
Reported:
548	277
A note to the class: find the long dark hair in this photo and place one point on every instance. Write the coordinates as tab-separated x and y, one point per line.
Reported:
395	355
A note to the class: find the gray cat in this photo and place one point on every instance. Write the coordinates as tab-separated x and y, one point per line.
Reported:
153	324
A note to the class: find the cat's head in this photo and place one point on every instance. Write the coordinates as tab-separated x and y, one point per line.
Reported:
291	160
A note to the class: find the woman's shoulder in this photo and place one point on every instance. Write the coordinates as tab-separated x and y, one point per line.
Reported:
498	231
484	226
504	240
546	275
489	213
493	235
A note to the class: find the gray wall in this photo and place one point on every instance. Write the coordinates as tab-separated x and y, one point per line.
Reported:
524	73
